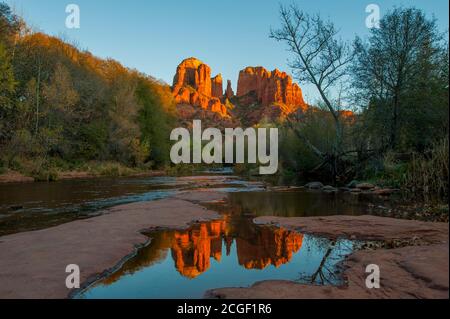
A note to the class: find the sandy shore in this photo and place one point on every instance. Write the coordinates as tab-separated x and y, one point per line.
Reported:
32	264
14	177
419	271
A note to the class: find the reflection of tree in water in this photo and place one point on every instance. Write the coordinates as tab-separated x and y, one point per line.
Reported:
328	271
301	203
145	257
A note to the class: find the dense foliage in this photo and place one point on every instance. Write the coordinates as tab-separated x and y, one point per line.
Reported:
60	106
397	84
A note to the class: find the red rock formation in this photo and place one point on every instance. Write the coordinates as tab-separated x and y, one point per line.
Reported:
217	86
229	93
193	85
257	85
193	73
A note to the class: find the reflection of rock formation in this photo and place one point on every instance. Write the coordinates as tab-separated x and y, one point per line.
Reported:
269	247
192	249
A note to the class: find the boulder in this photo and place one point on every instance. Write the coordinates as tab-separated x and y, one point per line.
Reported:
314	185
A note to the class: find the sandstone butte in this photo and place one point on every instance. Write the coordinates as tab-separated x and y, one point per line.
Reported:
256	85
193	85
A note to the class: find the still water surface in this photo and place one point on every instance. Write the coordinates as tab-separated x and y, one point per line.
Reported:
229	252
185	264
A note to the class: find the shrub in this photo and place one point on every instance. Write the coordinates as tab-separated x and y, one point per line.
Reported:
427	175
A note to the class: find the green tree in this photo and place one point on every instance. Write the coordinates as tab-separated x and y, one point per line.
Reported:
155	119
399	80
7	89
124	131
9	24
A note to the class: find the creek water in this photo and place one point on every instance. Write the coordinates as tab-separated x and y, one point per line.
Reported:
229	252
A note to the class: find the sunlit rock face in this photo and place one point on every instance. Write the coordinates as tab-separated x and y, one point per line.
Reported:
197	94
256	85
193	85
217	86
193	249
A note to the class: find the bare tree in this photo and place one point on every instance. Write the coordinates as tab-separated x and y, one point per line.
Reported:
319	58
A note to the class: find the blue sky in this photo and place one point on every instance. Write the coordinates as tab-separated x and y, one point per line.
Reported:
154	36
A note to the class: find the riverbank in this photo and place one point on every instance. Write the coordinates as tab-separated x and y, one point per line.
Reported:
412	255
16	177
413	258
32	264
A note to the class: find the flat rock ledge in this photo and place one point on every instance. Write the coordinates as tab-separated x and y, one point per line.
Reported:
409	272
33	264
